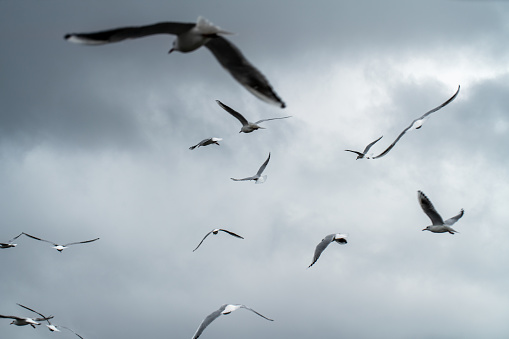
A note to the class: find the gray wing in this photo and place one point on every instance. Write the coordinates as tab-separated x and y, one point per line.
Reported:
242	70
16	237
231	233
428	208
371	144
321	247
133	32
244	179
394	142
272	119
71	331
233	112
262	167
201	143
452	221
247	308
44	318
202	240
31	236
39	319
358	153
80	242
11	317
442	105
206	322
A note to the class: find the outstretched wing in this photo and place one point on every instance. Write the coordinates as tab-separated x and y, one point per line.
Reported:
247	308
67	328
394	142
16	237
202	240
358	153
442	105
10	317
233	112
452	221
231	233
272	119
80	242
206	322
429	209
243	179
371	144
38	319
262	167
31	236
132	32
321	247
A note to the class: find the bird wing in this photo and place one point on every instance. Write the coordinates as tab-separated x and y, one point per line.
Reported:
262	167
231	233
11	317
442	105
202	240
452	221
38	319
247	308
233	112
44	318
31	236
358	153
272	119
321	247
244	179
428	208
371	144
132	32
199	144
210	318
70	330
16	237
394	142
80	242
232	60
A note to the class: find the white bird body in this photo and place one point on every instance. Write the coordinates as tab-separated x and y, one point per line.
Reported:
438	224
197	36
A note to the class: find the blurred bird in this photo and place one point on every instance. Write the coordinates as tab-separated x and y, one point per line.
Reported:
215	231
206	142
439	225
339	238
257	177
363	154
10	243
58	247
20	321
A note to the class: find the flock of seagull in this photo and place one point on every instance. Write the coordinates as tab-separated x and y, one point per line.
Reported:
189	37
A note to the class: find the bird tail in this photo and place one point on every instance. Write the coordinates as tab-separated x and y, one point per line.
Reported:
261	180
206	27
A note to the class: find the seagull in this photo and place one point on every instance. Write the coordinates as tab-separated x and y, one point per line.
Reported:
206	142
363	154
247	127
215	231
339	238
224	309
50	326
58	247
257	177
19	321
417	123
191	36
439	225
10	243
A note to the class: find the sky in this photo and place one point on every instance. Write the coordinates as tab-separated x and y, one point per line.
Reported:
94	142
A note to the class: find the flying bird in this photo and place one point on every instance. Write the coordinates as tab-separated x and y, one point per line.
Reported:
58	247
10	243
224	309
339	238
206	142
247	127
258	178
191	36
363	154
417	123
20	321
50	326
215	231
438	224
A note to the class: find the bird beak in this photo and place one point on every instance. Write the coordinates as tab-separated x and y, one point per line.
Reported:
424	229
171	50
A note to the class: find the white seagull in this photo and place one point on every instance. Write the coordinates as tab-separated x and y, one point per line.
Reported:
417	123
224	309
58	247
363	154
337	237
20	321
10	243
215	231
258	178
191	36
206	142
50	326
247	127
439	225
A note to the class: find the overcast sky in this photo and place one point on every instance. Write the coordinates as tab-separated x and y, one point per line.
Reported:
94	143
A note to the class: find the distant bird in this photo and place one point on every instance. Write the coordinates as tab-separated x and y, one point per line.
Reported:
215	231
50	326
224	309
191	36
363	154
247	127
58	247
417	123
257	177
20	321
10	243
339	238
439	225
206	142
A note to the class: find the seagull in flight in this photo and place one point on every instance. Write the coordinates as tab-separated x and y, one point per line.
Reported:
337	237
438	224
258	178
58	247
247	127
206	142
10	243
363	154
51	327
191	36
417	123
20	321
215	231
224	309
